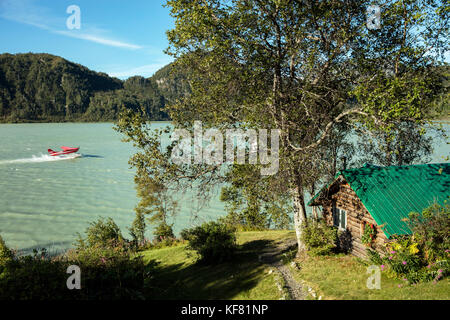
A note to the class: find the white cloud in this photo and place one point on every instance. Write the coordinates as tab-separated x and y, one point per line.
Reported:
97	39
26	12
145	71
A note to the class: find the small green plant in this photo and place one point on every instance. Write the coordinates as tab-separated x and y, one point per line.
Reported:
5	252
431	231
319	238
402	255
403	259
423	256
104	233
111	272
137	229
108	273
163	231
374	257
214	242
369	234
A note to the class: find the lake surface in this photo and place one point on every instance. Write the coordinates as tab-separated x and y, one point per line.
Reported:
44	201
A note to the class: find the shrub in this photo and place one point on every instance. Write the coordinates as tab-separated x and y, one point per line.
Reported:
318	237
369	234
422	256
214	242
403	260
33	277
432	231
109	269
137	229
163	231
403	255
103	233
106	274
374	257
110	273
5	252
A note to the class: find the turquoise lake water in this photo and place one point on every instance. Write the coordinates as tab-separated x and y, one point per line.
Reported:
44	202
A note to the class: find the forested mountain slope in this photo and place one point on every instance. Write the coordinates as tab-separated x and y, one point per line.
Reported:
48	88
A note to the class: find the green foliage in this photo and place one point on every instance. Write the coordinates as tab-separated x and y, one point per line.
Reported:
374	257
404	144
102	233
172	83
432	231
441	103
402	254
5	252
163	231
137	230
214	242
43	87
424	256
33	277
298	68
319	238
344	277
369	234
38	87
403	260
138	94
106	274
155	202
109	269
111	272
250	203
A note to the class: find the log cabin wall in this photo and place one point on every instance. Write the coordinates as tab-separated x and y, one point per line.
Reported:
346	199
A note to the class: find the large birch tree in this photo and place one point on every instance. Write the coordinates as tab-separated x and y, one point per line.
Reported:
298	66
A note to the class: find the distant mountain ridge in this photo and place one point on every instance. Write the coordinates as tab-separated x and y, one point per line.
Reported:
47	88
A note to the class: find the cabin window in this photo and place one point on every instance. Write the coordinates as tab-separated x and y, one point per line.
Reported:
340	218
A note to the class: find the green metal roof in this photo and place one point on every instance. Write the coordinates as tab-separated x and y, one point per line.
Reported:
391	193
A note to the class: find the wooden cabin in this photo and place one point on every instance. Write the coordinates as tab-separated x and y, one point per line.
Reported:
381	197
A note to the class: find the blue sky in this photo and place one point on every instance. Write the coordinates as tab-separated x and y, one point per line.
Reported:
118	37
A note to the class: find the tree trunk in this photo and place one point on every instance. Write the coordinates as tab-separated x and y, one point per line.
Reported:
299	214
314	211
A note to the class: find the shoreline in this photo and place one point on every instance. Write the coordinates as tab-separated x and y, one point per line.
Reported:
76	122
444	119
61	122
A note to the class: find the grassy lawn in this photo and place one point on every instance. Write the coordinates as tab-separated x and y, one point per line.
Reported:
338	277
179	277
344	278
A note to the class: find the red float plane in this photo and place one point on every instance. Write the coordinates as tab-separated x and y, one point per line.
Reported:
65	150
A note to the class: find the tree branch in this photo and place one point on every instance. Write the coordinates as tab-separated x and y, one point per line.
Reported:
328	127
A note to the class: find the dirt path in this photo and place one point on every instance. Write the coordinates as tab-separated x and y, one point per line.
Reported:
273	257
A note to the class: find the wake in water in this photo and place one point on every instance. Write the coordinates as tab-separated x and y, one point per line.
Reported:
42	158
